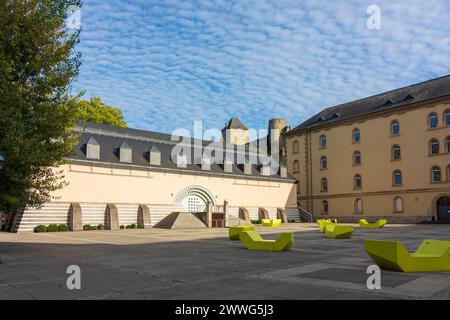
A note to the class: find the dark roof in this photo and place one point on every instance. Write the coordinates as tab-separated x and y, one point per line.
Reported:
235	123
111	138
431	89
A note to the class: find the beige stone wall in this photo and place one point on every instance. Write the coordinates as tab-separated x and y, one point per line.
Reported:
377	167
94	184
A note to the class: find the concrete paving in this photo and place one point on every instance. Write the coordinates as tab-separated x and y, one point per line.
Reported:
204	264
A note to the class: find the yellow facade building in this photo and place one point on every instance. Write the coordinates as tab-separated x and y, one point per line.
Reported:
383	156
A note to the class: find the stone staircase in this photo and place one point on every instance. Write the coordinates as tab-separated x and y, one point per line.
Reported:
305	215
180	220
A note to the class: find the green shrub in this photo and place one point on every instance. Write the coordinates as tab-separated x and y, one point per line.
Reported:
101	227
122	227
256	221
63	228
40	228
133	226
52	228
88	227
128	226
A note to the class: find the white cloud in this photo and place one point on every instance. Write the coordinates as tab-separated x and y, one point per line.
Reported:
167	64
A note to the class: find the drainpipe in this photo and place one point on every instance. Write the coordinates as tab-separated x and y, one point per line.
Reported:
310	172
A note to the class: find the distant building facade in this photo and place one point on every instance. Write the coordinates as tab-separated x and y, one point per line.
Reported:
383	156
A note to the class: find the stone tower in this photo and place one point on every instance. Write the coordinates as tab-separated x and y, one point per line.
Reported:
276	127
235	132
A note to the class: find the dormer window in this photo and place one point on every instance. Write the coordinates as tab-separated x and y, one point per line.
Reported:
125	153
228	165
154	156
181	160
388	103
92	149
265	170
206	163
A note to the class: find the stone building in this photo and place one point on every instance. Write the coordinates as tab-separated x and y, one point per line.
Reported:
387	155
121	176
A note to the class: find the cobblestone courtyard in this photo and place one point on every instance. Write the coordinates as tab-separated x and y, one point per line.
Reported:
204	264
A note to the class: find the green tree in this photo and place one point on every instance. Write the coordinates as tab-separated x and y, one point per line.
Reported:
38	63
96	110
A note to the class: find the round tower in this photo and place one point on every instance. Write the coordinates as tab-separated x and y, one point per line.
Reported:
276	127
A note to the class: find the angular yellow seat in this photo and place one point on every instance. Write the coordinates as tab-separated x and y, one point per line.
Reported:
377	225
323	222
253	241
271	223
432	255
233	232
335	231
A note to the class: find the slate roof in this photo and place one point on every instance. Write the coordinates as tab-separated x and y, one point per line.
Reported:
431	89
111	138
235	123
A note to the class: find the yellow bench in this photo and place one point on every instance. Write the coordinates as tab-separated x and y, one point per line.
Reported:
253	241
323	222
335	231
271	223
377	225
432	255
233	232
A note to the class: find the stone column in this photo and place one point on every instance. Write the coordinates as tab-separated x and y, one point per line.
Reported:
244	214
144	221
281	214
263	214
112	217
209	209
75	217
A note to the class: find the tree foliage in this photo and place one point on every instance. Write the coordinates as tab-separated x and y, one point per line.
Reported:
96	110
38	63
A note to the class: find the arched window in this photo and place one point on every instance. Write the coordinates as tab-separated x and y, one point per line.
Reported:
447	143
356	135
397	178
398	204
323	141
324	185
433	120
435	174
434	146
358	206
323	162
295	147
395	127
296	167
395	152
357	182
356	158
325	207
447	117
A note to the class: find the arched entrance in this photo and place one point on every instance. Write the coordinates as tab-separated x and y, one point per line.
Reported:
443	209
194	199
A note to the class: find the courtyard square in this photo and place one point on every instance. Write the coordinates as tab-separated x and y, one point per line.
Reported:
204	264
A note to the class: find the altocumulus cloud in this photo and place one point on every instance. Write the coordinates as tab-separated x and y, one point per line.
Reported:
169	63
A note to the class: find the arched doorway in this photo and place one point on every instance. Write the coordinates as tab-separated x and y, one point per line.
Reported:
194	199
443	209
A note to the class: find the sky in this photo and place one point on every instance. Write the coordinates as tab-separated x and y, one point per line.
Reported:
169	63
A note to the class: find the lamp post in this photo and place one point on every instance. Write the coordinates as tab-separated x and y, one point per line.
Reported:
2	161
